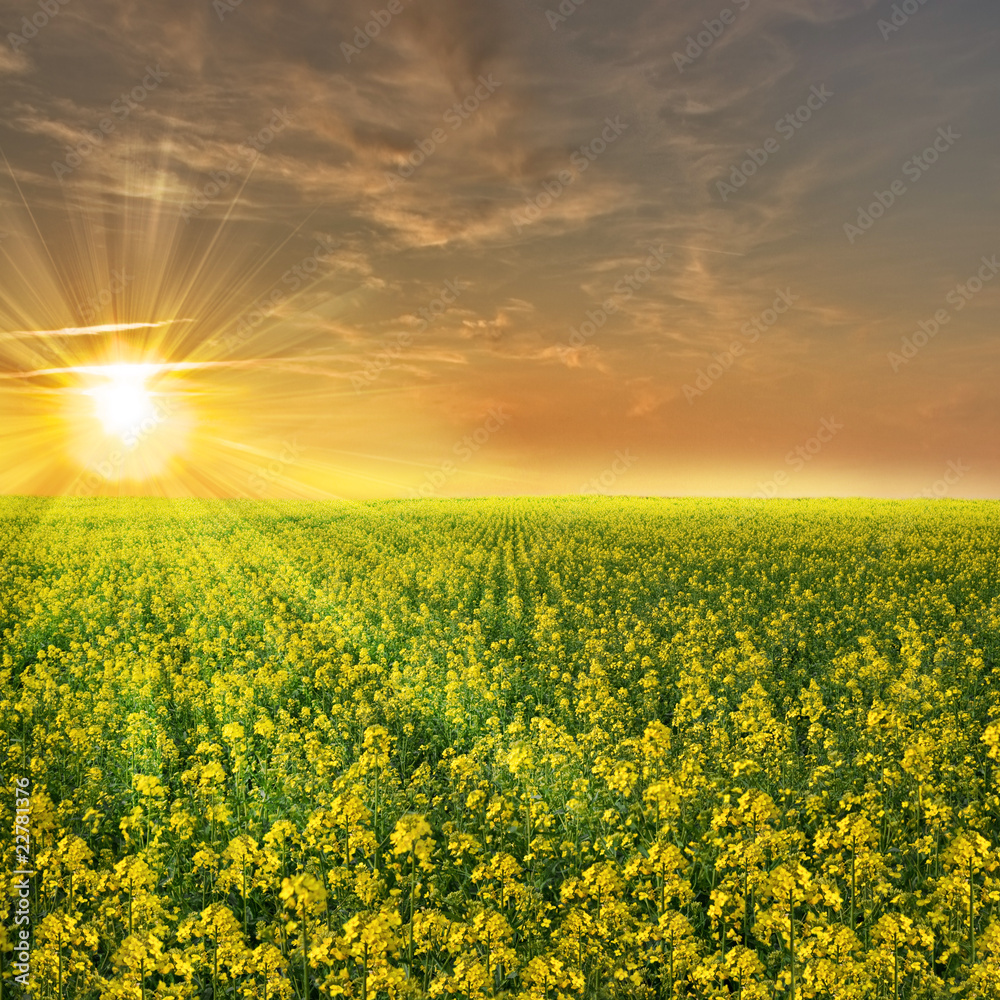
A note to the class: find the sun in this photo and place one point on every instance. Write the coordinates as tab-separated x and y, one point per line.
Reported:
123	401
128	424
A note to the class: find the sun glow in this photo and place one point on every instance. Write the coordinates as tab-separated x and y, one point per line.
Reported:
123	401
128	424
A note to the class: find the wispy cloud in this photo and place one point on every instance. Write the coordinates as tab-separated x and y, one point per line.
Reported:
86	331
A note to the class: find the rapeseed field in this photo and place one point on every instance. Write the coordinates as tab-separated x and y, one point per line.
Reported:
535	748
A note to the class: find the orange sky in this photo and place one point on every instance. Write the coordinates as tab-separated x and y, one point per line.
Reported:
492	248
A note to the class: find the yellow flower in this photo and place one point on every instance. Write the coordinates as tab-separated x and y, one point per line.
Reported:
408	833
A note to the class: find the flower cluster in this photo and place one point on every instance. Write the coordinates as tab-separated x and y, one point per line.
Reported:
546	749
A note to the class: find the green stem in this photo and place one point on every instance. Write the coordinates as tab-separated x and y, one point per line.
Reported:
854	884
376	826
895	967
412	910
746	912
671	961
791	940
972	917
305	954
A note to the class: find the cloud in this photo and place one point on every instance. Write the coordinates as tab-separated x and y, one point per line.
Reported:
13	63
647	397
86	331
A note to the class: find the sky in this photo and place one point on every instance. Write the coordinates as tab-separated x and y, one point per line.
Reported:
516	247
